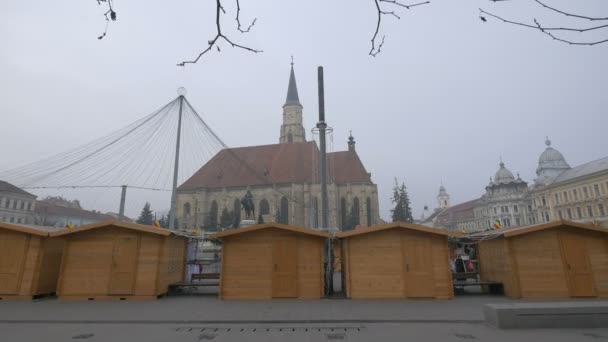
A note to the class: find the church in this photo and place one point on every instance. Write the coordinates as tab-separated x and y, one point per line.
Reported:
284	180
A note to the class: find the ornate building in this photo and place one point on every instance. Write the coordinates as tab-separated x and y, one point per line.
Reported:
561	192
16	204
284	179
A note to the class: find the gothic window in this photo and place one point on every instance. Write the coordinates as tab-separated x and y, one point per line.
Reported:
187	209
284	212
289	137
356	211
368	210
213	215
264	207
342	212
236	206
315	212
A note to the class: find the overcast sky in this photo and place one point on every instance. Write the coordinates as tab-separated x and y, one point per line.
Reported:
444	100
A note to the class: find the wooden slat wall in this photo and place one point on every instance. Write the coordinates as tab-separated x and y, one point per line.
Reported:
146	277
495	265
172	262
247	270
49	265
539	265
310	267
441	269
247	265
597	250
375	265
30	269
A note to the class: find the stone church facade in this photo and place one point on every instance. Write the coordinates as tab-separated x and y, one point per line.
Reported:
284	180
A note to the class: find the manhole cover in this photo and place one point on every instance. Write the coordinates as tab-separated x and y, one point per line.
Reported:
204	337
335	336
465	336
82	336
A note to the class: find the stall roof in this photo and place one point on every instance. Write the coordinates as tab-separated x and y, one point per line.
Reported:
28	229
294	229
509	232
119	224
392	225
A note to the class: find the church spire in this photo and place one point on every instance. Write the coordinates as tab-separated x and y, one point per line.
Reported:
292	89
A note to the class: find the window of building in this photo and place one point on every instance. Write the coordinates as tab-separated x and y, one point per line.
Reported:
19	220
590	211
586	192
12	219
284	211
518	221
14	204
559	213
495	210
575	193
7	203
600	209
579	212
556	198
569	213
506	222
368	210
315	214
29	206
529	208
544	201
531	220
596	189
565	196
546	217
22	205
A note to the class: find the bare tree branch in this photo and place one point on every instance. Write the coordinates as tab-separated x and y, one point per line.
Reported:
219	35
375	49
110	14
549	31
238	20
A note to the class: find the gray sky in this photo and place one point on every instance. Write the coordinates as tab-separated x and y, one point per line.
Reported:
446	97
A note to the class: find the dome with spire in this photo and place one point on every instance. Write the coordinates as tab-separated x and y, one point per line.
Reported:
550	164
503	175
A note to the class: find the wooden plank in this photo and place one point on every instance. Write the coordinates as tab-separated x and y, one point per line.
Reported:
13	248
285	264
597	251
419	279
124	264
576	264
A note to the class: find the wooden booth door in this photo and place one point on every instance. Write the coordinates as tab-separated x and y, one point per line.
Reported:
12	256
418	278
577	267
124	264
284	272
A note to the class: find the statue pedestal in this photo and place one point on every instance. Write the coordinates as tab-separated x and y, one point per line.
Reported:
247	223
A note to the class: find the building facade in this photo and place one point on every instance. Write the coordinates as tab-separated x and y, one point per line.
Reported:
576	194
16	204
59	212
284	180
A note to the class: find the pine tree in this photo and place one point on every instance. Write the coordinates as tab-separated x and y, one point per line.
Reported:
405	199
402	212
146	217
164	221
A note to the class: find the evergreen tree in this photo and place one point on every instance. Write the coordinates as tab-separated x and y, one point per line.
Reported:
401	212
146	217
226	219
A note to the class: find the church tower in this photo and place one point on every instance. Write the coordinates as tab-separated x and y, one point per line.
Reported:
443	198
292	129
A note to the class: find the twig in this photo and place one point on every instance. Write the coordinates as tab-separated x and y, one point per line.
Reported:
111	13
375	50
211	43
569	14
238	20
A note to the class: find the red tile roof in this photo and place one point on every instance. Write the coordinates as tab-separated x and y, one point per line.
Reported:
275	164
459	212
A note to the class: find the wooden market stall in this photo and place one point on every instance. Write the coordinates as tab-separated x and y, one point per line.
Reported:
551	260
396	260
119	260
29	261
271	261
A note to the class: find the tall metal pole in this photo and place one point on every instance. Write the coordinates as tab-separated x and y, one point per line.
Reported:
173	210
123	196
321	125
